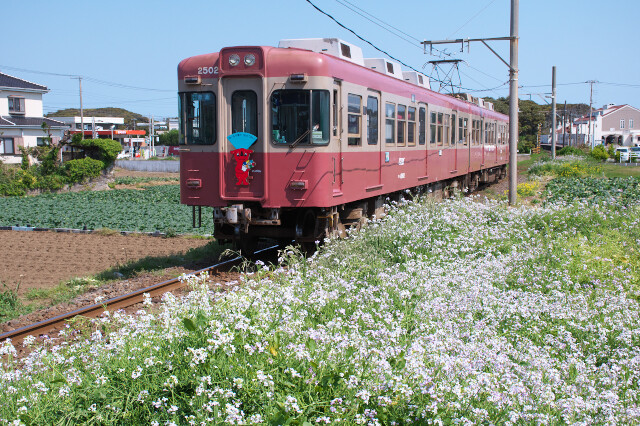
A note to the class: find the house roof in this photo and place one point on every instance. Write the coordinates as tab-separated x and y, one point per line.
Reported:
14	121
7	80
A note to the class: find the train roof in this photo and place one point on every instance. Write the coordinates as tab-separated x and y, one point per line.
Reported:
328	56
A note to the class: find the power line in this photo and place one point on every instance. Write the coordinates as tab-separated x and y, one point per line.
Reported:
472	18
93	80
382	24
373	45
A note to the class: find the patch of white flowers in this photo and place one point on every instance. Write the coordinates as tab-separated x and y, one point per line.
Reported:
467	312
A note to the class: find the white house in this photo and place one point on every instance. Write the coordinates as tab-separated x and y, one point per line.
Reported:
21	118
612	124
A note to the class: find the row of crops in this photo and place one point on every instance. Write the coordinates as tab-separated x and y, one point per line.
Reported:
155	208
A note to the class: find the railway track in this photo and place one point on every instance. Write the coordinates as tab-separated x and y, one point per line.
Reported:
120	302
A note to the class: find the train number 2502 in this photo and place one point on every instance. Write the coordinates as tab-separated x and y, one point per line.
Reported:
207	70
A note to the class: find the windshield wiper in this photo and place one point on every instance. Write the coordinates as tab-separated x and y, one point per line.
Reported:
297	141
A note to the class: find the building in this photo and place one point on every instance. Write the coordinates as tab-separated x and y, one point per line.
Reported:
100	123
611	124
22	118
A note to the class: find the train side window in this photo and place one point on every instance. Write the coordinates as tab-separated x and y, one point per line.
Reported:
354	115
198	118
422	133
402	124
462	131
390	124
320	117
244	112
372	123
298	114
434	127
486	133
440	128
411	126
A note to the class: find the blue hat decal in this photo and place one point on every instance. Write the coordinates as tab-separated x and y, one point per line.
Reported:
241	140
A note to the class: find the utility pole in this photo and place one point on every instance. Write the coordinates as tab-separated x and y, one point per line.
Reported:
513	104
513	90
591	142
553	112
564	125
81	110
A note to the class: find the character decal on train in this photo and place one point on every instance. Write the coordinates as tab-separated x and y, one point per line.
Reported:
242	141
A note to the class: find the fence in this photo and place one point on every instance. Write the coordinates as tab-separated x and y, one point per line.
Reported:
159	166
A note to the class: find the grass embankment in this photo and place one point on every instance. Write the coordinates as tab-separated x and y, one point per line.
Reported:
459	311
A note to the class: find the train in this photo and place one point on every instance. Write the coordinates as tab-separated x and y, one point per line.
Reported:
301	141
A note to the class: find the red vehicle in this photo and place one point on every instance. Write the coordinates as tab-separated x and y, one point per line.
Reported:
295	142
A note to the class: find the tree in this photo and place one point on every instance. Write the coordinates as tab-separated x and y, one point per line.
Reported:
531	116
169	138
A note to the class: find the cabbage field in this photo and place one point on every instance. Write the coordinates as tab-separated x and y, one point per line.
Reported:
154	208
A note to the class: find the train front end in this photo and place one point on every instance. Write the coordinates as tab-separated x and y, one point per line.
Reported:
245	147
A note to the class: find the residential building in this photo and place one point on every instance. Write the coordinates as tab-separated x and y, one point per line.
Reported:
21	118
612	124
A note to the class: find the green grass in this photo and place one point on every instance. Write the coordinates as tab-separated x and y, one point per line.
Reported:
10	304
620	170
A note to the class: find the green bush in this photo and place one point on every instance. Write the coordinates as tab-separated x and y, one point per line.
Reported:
52	182
12	188
82	169
25	179
570	150
599	153
105	150
525	144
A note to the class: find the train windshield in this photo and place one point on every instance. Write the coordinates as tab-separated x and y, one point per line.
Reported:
300	117
244	112
198	118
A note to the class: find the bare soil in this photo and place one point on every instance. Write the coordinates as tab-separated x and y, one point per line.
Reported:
41	260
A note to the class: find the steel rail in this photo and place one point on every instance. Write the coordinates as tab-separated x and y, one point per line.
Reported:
115	303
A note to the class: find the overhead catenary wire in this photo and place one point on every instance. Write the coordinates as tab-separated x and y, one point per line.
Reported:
379	49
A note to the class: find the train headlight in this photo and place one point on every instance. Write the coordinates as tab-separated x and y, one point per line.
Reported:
234	60
249	60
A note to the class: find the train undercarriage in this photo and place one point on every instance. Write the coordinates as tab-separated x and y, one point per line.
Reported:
244	224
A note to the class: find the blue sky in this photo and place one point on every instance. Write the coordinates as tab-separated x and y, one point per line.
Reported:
140	43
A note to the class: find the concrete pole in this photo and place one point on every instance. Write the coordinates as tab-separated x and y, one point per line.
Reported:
553	112
591	142
564	125
513	105
81	110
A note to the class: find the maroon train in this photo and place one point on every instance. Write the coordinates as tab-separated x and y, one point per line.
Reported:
295	142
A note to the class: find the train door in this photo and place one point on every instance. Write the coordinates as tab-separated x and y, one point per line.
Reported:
243	144
454	142
494	141
374	147
464	153
422	139
483	142
336	137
